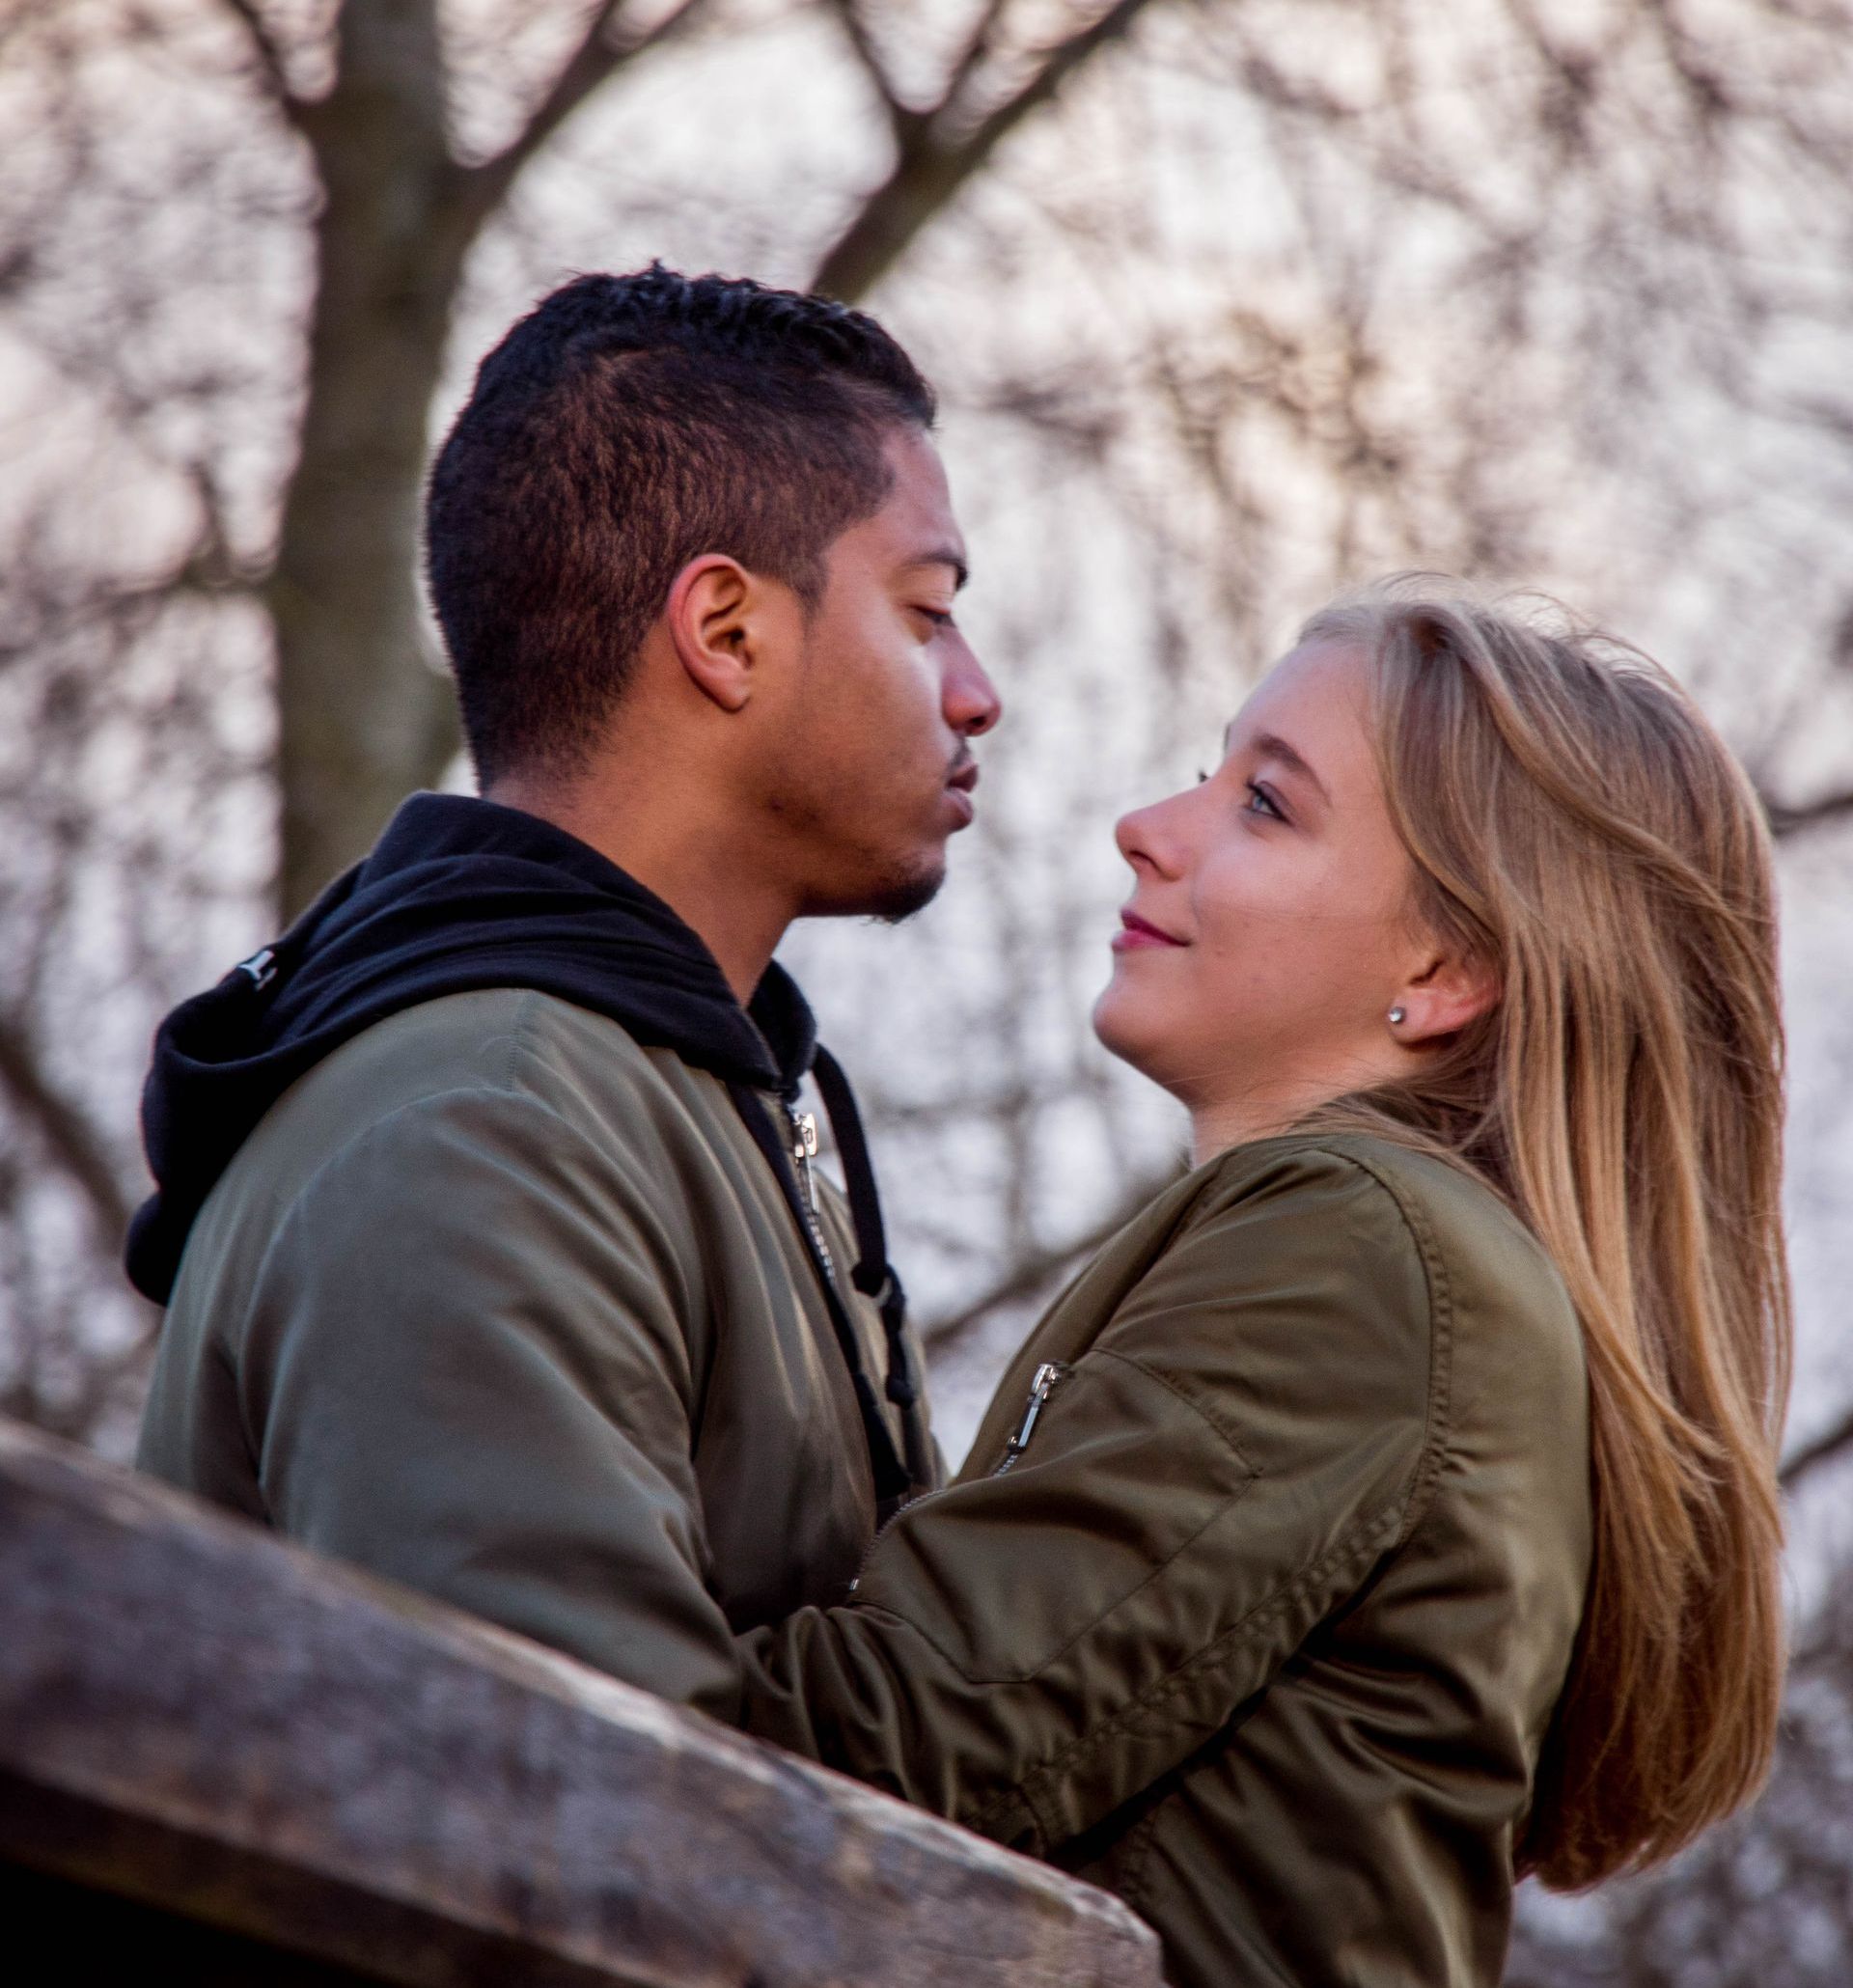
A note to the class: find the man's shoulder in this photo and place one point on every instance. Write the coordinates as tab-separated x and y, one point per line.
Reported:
497	1038
494	1045
495	1067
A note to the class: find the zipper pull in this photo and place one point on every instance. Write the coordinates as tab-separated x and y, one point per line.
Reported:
1047	1376
804	1149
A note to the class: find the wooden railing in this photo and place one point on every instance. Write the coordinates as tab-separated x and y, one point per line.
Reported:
226	1760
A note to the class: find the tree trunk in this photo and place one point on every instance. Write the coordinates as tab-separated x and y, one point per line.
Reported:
363	716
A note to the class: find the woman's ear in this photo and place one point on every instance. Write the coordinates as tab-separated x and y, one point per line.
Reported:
712	615
1443	999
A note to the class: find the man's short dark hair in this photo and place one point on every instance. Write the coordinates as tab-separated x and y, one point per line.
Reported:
626	425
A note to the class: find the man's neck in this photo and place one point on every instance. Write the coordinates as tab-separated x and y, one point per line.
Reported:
694	867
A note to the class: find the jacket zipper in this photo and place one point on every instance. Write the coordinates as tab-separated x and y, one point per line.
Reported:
1048	1376
804	1149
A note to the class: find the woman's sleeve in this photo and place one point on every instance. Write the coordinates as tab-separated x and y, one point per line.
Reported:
1223	1468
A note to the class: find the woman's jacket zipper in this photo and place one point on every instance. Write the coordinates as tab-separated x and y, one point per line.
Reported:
1048	1377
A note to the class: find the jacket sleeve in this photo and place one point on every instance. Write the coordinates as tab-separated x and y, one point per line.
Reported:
466	1368
1221	1468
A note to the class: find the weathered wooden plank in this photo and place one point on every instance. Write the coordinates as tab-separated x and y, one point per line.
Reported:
202	1717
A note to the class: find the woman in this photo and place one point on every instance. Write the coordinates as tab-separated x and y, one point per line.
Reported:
1390	1510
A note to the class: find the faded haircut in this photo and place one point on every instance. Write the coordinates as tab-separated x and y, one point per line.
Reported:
625	427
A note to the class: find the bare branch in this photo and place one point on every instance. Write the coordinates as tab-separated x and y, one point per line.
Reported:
601	53
855	31
1036	1269
265	46
934	166
1786	820
65	1129
976	49
1824	1448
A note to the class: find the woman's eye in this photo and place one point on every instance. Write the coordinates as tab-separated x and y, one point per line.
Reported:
1261	802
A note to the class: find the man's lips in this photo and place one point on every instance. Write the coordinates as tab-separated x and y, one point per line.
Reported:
960	782
1136	933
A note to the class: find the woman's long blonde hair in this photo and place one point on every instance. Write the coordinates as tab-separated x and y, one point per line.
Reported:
1575	822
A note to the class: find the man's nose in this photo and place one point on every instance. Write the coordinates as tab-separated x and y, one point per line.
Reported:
970	699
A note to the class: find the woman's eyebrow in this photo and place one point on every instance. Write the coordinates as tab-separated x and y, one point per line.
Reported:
1271	745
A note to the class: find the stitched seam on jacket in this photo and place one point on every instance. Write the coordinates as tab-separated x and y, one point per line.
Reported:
1363	1535
958	1669
1441	1347
1129	1881
1132	1595
1188	1396
1399	1518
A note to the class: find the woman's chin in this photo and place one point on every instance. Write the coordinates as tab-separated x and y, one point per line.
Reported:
1118	1026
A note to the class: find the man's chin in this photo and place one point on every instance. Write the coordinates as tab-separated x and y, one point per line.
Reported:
901	897
893	896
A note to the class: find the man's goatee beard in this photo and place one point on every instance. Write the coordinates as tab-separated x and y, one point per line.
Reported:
897	899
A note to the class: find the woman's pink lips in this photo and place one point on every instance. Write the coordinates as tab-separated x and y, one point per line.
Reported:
1135	933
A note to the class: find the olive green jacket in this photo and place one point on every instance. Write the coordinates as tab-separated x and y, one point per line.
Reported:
499	1304
1259	1618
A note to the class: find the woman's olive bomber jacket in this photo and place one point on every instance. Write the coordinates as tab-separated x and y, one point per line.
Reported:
1263	1624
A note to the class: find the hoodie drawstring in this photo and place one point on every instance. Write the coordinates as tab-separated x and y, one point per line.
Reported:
874	1274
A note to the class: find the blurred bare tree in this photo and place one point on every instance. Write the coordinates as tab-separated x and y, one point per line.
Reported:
1230	301
257	342
1763	1898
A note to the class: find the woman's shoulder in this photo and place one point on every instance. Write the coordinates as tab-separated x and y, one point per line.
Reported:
1440	1205
1362	1201
1316	1239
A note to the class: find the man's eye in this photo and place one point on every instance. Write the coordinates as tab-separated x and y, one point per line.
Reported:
1261	802
941	618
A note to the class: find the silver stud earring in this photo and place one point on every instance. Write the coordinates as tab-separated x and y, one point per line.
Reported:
1398	1015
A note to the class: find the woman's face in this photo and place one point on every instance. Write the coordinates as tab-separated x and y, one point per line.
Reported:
1268	935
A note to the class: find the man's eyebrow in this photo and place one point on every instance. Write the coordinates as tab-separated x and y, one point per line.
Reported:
1271	745
945	555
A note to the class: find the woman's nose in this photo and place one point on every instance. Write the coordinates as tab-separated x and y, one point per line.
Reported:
1148	837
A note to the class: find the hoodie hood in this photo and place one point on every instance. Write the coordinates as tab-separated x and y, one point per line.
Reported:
458	893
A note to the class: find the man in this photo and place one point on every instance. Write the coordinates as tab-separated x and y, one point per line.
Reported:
493	1254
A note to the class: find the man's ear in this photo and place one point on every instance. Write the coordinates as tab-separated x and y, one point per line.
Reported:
714	616
1442	998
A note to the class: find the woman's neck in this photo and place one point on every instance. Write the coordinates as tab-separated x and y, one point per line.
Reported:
1239	1118
1215	1128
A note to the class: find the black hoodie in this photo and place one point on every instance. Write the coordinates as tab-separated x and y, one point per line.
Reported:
458	895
